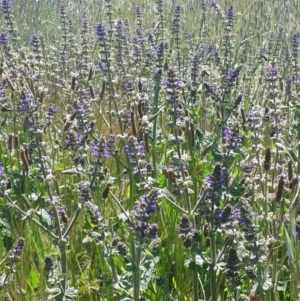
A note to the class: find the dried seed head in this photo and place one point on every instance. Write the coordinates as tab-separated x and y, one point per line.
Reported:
294	184
192	134
207	242
140	109
205	230
267	162
10	143
24	161
102	91
64	217
146	143
106	191
140	85
90	74
133	124
290	170
16	141
279	191
26	152
92	92
73	85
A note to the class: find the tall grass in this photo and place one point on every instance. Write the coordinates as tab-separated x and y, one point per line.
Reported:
149	150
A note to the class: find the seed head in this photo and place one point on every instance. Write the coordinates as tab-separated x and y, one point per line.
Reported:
279	191
267	162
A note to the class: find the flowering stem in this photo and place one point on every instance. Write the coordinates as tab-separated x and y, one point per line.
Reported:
213	287
298	166
155	110
131	200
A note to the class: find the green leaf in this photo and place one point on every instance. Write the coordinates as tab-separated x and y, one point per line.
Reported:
59	166
217	156
289	245
149	295
34	279
161	179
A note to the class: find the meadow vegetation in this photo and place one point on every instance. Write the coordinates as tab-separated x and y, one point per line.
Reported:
149	150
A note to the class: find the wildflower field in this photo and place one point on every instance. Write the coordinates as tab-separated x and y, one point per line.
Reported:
149	150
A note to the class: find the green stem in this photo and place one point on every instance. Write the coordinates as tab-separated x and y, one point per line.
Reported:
213	286
136	275
119	204
195	282
62	241
266	206
173	203
274	272
73	221
62	247
131	200
23	213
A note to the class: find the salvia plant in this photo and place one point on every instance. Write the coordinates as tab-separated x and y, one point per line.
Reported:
149	150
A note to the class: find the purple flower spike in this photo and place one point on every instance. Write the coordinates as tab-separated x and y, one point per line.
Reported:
2	173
